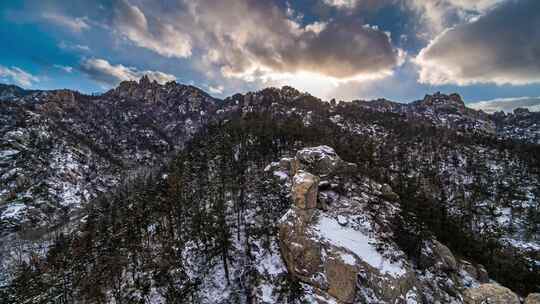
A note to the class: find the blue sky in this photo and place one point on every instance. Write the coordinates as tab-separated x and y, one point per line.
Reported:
486	50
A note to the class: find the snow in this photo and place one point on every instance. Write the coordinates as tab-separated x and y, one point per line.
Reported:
342	220
267	293
315	296
12	211
281	175
302	177
358	243
411	297
318	150
8	153
348	259
272	264
522	244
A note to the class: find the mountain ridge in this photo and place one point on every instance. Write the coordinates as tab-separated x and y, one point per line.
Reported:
64	154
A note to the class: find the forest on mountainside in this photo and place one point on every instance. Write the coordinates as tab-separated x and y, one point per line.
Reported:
215	205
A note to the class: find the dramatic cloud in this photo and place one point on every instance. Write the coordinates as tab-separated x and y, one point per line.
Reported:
103	72
17	75
507	104
73	24
258	40
152	34
501	47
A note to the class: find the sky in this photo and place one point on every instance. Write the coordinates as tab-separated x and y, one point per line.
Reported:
488	51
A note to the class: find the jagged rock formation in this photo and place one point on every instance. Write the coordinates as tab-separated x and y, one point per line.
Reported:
450	111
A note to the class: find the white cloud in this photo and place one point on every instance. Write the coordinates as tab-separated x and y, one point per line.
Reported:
507	104
499	47
17	76
159	37
341	3
73	24
216	89
64	68
73	47
104	72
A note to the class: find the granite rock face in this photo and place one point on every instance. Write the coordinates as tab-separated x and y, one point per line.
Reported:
304	190
321	247
490	293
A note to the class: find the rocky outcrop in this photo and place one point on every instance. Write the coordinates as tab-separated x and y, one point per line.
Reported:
533	298
321	161
490	294
318	250
321	248
304	190
337	238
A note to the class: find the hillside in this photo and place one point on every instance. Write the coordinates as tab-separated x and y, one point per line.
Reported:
155	193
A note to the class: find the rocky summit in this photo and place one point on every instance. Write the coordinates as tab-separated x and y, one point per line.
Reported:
161	193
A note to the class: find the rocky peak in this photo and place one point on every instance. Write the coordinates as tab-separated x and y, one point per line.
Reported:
439	99
8	92
145	81
521	112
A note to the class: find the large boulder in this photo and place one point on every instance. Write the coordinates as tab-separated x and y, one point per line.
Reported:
321	160
304	190
533	298
490	294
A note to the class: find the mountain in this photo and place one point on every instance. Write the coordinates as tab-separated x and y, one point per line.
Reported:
9	92
155	193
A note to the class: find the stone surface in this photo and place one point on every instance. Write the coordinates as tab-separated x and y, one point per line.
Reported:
342	279
314	261
490	294
317	252
321	160
533	298
304	190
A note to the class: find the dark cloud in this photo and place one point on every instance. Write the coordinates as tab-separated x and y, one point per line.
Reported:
507	104
501	47
252	39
